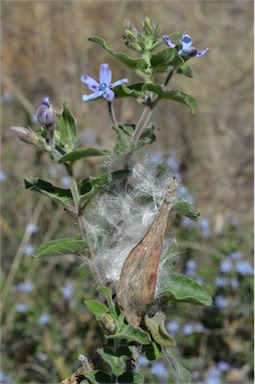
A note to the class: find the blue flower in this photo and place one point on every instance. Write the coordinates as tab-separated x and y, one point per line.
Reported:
244	268
187	51
221	301
226	266
105	87
44	319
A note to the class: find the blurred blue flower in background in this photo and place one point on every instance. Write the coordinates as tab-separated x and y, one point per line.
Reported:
173	327
44	319
29	249
105	87
223	366
204	226
226	266
32	228
213	377
24	287
244	268
67	290
143	361
65	182
159	369
191	268
21	308
221	301
4	378
235	255
3	176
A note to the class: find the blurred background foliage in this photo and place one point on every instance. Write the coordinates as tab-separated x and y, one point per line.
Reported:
45	50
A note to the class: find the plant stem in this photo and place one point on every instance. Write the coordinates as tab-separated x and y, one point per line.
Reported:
111	112
168	78
142	122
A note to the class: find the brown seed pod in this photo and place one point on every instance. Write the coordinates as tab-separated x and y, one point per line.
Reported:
138	278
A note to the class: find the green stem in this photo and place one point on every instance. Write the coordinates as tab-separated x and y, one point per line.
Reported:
112	114
142	123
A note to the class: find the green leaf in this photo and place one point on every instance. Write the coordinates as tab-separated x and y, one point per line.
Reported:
68	129
152	350
133	90
164	60
156	326
138	65
90	186
131	377
182	288
108	295
61	247
117	364
98	377
173	94
59	195
186	70
96	308
132	333
81	153
182	207
182	375
123	142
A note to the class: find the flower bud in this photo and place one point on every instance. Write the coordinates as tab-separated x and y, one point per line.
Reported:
30	137
44	113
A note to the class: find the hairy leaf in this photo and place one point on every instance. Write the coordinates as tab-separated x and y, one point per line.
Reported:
61	247
183	289
68	130
60	195
81	153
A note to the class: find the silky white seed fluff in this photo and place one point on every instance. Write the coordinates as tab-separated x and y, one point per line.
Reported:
117	219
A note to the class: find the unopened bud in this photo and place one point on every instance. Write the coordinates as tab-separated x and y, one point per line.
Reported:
30	137
45	115
148	26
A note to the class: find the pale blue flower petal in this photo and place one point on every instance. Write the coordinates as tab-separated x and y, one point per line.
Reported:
202	53
168	41
108	95
186	41
105	74
90	82
119	82
92	96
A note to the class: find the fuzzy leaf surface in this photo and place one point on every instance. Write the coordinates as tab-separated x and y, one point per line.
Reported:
90	186
68	129
60	195
132	333
81	153
117	363
186	70
138	65
184	208
183	289
98	377
61	247
173	94
96	308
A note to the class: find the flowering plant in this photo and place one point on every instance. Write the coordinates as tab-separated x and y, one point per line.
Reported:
126	214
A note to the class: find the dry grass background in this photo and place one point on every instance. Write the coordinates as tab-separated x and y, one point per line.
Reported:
45	50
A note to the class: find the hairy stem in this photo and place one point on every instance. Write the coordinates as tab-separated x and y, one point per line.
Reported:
112	114
142	123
